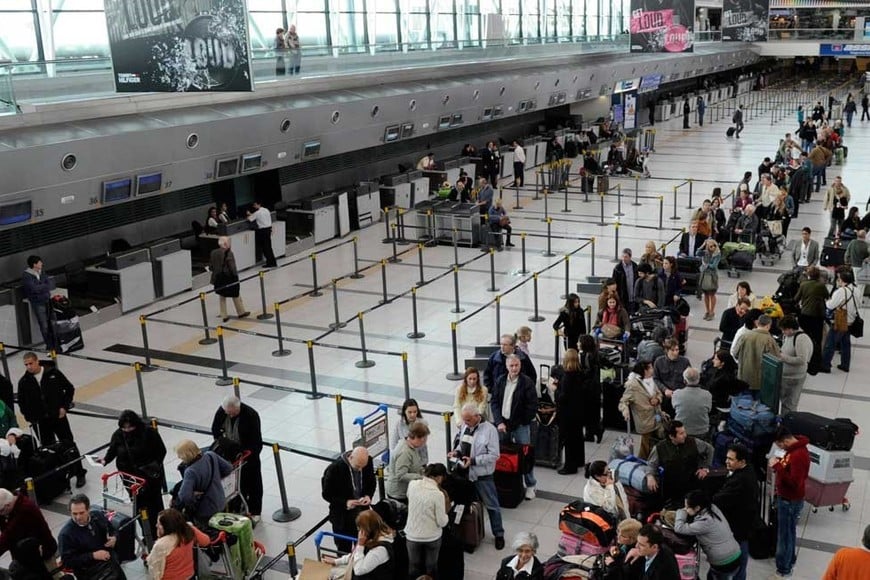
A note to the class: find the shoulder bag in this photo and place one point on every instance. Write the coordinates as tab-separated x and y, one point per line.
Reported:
856	329
226	283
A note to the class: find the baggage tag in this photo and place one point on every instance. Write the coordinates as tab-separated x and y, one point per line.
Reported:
460	509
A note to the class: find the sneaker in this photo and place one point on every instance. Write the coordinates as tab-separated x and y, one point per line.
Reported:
245	314
499	542
530	493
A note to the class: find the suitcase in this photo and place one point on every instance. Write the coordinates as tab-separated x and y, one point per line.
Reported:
572	149
65	325
750	418
125	532
545	436
611	417
741	260
603	184
515	458
831	434
642	505
688	565
588	522
833	255
631	473
466	523
571	545
720	447
730	131
730	248
820	494
241	527
46	459
830	466
838	156
510	487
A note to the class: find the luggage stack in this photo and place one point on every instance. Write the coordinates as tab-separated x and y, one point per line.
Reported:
513	462
751	423
738	256
586	529
632	472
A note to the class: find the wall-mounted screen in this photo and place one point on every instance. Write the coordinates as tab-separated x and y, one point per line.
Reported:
151	183
311	149
407	130
497	111
444	121
252	162
117	190
15	212
457	119
392	134
487	114
226	167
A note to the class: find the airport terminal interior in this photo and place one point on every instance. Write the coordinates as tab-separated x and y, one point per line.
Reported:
351	298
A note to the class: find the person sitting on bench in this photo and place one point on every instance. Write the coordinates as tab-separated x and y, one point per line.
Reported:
498	221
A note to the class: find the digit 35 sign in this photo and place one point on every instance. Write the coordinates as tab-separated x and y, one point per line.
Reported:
179	45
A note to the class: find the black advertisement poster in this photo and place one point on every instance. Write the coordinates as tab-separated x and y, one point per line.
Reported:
662	25
179	45
745	20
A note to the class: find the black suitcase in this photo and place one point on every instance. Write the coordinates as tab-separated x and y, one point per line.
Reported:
511	489
833	255
572	149
125	529
831	434
730	132
741	260
48	486
611	417
545	438
451	556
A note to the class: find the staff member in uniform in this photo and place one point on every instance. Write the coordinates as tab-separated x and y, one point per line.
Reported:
262	220
519	164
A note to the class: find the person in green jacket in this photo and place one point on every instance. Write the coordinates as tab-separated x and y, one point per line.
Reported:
406	464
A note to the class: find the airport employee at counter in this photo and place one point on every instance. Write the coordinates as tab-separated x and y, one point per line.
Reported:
262	220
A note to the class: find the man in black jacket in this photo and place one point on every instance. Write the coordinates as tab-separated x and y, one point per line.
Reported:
650	559
691	241
625	274
348	484
738	500
237	425
44	397
732	320
87	541
496	366
514	404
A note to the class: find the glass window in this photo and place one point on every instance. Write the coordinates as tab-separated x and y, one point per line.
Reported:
262	26
592	17
308	5
311	28
20	5
468	22
75	5
80	35
18	37
531	19
265	5
606	24
385	29
351	31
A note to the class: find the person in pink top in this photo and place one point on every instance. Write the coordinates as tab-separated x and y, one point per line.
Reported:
171	558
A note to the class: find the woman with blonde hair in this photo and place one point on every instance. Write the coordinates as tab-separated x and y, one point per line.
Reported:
370	558
200	493
651	256
470	390
709	280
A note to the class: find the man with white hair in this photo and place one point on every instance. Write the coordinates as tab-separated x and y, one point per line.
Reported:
348	485
236	429
20	518
475	451
692	405
225	278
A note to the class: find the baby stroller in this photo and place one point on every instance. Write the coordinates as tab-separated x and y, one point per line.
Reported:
770	243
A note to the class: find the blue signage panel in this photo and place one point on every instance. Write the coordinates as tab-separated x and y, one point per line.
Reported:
650	83
853	49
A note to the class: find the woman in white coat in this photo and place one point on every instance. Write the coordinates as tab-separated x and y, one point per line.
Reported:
603	491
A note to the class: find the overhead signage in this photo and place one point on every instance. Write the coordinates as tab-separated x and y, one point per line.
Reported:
179	45
627	85
650	83
853	49
745	20
630	111
662	25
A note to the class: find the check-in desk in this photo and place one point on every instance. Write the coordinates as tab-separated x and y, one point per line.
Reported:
425	219
464	217
173	272
420	185
316	216
279	237
396	191
536	151
127	276
507	162
35	336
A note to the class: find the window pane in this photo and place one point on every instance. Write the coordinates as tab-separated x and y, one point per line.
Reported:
311	29
20	5
592	17
262	26
510	6
385	6
267	5
74	5
442	30
385	29
80	34
511	27
351	30
18	37
469	28
308	5
349	5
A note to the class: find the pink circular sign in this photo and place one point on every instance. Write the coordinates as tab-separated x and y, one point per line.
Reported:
677	38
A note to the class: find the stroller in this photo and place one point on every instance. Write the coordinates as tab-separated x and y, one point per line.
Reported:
789	283
65	325
770	243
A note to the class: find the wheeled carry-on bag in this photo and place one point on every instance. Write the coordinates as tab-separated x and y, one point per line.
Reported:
466	522
513	461
242	528
730	131
125	532
545	436
831	434
588	522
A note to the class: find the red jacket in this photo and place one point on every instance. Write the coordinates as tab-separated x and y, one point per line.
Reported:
25	520
792	471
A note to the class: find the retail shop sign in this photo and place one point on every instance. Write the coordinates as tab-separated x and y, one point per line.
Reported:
844	50
179	45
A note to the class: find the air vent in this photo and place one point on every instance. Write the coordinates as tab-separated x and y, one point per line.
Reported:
285	125
412	105
192	141
445	99
336	117
475	95
69	162
375	110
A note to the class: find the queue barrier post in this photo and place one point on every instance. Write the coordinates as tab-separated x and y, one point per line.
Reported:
387	237
619	200
382	492
339	413
675	216
497	319
492	287
546	193
337	323
384	299
137	368
236	390
455	375
690	206
616	241
661	210
556	341
405	376
523	269
592	258
517	205
538	184
207	339
311	372
4	361
402	241
415	334
567	277
292	564
224	380
30	488
146	528
280	332
566	209
365	363
316	292
147	367
265	314
356	273
588	316
636	191
601	199
422	279
448	439
457	309
549	251
455	247
536	317
395	257
286	513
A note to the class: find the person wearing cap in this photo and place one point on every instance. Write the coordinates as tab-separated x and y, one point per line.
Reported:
625	275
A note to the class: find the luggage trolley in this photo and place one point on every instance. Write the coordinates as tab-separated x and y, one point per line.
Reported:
233	482
222	562
122	489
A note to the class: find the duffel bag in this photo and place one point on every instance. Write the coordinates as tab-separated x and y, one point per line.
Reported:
751	418
830	434
515	458
743	260
588	522
632	472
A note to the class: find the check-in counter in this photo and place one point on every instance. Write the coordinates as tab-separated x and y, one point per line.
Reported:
396	191
536	151
279	237
127	276
420	185
173	272
35	336
507	162
241	242
464	217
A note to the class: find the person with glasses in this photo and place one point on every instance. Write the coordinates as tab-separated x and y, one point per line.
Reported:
738	500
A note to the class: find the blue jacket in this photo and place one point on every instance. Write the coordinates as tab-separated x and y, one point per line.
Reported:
496	368
201	485
37	289
78	543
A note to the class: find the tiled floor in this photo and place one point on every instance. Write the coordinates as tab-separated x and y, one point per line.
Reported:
702	154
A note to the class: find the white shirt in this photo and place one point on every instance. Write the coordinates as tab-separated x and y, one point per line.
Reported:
212	223
519	154
262	217
38	376
527	568
509	387
843	296
805	248
650	386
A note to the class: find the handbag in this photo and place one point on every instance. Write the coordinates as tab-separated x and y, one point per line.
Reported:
153	471
856	329
610	331
775	227
708	282
841	320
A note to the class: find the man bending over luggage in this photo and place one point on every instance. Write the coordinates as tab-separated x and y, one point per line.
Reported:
684	460
87	542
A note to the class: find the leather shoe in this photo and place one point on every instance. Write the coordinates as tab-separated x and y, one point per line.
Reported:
499	542
564	471
842	368
245	314
826	370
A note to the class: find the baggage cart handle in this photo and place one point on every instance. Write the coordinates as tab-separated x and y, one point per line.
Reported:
242	458
318	537
382	408
137	482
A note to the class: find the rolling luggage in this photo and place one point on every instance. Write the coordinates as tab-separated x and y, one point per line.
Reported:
830	434
742	260
603	184
730	131
45	460
641	505
631	473
466	522
513	461
545	436
571	545
65	325
451	560
588	522
241	527
749	418
833	255
510	488
125	532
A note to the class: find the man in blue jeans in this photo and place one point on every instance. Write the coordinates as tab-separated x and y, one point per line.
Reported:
37	289
514	404
475	451
792	468
846	297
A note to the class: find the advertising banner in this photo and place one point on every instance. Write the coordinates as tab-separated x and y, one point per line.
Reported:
662	25
745	20
853	49
630	111
179	45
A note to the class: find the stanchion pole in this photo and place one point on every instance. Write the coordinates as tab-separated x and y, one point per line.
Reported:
402	241
566	209
280	332
147	367
365	363
356	273
549	251
395	257
30	487
601	199
448	440
137	368
690	206
636	191
207	339
497	319
379	474
675	216
292	564
338	323
384	300
225	380
236	390
286	513
265	314
312	375
339	414
546	193
455	375
518	206
592	260
536	317
661	210
616	241
405	376
567	277
619	200
492	287
416	333
523	269
422	279
316	292
556	341
457	309
456	245
387	237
